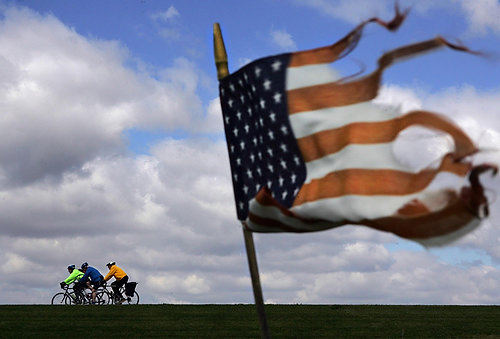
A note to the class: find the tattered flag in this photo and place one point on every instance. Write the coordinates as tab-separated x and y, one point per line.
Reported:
310	151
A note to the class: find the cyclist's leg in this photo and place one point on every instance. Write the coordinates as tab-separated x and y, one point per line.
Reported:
79	290
95	285
92	291
122	283
116	290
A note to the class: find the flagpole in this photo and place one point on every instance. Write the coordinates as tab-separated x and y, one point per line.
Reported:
222	71
257	288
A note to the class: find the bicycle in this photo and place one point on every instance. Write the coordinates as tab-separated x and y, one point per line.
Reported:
129	300
71	297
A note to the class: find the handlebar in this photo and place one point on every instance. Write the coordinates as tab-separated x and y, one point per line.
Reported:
66	286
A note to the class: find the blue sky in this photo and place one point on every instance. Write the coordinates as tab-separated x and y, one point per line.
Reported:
158	40
116	129
246	29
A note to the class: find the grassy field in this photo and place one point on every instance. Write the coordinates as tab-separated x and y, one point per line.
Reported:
235	321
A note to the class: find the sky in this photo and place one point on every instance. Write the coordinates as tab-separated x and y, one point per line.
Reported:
112	149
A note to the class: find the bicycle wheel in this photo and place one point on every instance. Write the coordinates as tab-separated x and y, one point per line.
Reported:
60	299
133	300
103	298
72	299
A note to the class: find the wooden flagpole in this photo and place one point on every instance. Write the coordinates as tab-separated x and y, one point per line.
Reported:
222	71
257	289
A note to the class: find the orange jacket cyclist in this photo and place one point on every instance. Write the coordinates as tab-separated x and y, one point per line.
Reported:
121	279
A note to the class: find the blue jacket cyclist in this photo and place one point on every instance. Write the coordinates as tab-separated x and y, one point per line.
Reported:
92	278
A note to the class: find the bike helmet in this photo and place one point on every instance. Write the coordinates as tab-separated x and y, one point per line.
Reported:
111	263
85	265
71	267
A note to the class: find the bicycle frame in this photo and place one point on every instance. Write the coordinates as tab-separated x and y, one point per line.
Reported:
71	297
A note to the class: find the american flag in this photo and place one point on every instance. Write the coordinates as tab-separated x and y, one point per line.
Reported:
309	151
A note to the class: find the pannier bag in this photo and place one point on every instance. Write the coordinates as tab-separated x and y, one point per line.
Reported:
130	289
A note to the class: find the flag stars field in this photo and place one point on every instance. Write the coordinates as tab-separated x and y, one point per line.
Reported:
264	126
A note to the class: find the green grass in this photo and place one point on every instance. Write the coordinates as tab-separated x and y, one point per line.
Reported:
234	321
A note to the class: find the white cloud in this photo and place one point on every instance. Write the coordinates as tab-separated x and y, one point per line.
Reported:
213	123
474	111
167	24
170	33
483	15
278	280
66	100
191	284
15	264
349	11
283	40
167	15
155	215
418	272
404	98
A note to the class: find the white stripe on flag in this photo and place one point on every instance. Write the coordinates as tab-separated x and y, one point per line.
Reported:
307	123
305	76
372	156
358	207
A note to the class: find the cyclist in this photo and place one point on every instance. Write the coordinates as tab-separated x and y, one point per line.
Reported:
121	279
74	275
91	279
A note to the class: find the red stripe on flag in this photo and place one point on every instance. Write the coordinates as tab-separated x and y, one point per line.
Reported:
331	141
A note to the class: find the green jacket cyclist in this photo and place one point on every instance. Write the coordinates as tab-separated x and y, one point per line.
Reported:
74	275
